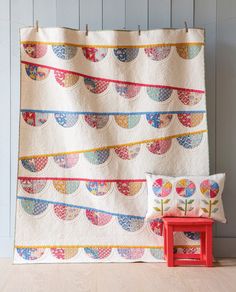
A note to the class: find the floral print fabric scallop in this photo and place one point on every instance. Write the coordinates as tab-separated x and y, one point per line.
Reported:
98	111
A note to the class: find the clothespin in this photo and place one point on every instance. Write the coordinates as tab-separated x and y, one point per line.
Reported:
186	26
37	25
139	30
86	30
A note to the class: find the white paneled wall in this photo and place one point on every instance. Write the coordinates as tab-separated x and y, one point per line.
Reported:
219	19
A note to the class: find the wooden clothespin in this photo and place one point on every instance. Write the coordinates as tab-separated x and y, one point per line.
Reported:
86	33
186	26
139	30
37	25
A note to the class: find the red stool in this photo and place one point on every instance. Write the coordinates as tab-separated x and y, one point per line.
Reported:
202	225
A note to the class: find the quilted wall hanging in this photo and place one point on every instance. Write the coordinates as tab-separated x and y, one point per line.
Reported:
97	113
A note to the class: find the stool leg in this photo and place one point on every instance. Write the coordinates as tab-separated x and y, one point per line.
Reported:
165	241
203	245
209	246
170	246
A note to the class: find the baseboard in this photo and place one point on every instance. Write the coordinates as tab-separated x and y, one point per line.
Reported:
6	244
223	247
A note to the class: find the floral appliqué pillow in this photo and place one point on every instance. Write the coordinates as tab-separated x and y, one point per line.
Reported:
185	196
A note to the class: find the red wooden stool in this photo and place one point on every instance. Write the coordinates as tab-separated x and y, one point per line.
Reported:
202	225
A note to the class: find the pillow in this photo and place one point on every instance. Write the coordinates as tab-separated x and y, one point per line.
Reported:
185	196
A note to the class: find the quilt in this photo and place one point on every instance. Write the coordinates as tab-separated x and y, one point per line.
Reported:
98	111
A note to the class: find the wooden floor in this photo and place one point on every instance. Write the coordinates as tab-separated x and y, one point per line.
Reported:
137	277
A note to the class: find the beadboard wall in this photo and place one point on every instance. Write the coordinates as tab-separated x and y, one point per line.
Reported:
218	17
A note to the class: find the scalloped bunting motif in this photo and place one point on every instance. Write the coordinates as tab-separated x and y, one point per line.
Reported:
97	188
158	54
96	121
37	73
64	253
131	253
35	119
130	224
66	160
30	254
35	50
66	213
127	188
95	86
35	164
98	156
66	186
66	120
126	54
190	141
33	186
98	253
98	218
95	54
188	52
33	207
64	52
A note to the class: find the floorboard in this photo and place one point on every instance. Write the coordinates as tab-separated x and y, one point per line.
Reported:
136	277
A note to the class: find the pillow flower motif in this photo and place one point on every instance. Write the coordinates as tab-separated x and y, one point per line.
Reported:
209	189
185	188
162	188
187	196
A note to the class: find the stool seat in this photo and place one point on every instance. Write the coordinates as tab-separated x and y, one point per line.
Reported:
190	224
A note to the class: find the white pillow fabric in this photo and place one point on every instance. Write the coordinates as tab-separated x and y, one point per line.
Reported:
185	196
